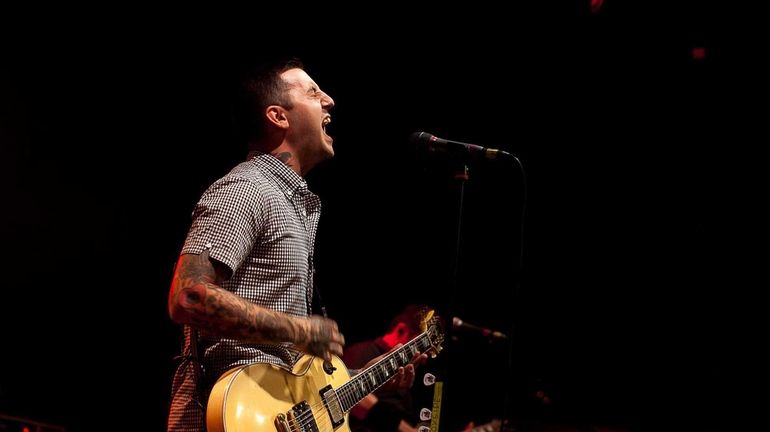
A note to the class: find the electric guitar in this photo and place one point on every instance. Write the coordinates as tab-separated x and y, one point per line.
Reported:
261	397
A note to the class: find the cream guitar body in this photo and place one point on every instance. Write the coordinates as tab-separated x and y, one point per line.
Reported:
261	397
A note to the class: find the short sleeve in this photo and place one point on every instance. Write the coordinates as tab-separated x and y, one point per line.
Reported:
226	220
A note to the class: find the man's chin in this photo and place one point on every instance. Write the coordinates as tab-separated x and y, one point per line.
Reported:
328	150
324	155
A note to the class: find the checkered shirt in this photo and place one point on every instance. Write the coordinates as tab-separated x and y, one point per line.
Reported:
259	220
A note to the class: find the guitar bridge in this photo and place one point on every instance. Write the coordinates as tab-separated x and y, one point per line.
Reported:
299	419
332	404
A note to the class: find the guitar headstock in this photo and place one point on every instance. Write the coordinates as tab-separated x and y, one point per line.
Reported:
433	327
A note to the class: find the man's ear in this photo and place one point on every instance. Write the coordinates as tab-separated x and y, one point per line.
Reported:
276	115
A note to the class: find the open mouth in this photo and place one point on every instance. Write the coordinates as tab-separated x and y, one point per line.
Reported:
325	122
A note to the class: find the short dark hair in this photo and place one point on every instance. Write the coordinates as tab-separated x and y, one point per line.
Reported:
259	86
412	315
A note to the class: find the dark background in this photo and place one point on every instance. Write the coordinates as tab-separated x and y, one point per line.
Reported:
635	307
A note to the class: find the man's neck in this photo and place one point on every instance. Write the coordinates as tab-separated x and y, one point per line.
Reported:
285	154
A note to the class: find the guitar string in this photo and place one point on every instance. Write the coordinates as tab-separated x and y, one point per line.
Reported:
307	415
352	392
306	418
346	390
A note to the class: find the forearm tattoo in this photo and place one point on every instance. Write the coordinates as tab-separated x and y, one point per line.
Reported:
206	305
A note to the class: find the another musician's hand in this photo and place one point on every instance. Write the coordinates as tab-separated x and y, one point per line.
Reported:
362	408
320	337
404	378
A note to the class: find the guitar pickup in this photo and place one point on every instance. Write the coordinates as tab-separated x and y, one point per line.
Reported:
332	404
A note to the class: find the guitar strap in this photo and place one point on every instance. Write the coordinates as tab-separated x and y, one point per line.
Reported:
191	363
317	294
198	365
328	367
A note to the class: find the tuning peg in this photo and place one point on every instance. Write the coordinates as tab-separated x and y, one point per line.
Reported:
428	379
423	429
425	414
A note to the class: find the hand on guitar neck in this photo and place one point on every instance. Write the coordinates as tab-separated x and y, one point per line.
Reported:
404	379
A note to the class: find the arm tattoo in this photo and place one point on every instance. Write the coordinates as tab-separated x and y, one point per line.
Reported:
198	300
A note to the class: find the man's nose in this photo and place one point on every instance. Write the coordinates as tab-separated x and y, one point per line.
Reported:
327	101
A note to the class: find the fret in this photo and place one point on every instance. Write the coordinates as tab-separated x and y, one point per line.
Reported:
371	379
410	348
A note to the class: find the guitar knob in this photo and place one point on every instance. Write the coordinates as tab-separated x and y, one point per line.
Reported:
428	379
425	414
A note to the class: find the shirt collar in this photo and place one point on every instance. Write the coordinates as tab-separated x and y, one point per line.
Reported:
288	180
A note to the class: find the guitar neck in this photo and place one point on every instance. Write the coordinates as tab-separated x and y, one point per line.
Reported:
371	378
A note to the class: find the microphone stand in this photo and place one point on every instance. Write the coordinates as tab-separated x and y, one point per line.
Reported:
462	176
507	421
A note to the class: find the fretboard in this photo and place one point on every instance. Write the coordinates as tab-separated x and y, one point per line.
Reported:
371	378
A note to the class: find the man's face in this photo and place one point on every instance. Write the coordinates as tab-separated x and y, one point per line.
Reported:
309	116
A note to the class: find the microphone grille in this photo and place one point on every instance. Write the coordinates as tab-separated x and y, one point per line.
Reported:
420	137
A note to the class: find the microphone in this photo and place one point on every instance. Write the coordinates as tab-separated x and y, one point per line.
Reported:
436	144
457	323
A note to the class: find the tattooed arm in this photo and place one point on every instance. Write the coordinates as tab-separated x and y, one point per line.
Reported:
196	298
